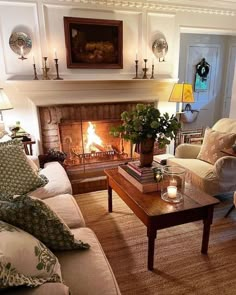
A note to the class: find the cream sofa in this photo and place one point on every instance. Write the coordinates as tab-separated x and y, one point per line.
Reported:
213	179
84	272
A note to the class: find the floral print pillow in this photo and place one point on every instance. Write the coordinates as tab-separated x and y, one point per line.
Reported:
24	260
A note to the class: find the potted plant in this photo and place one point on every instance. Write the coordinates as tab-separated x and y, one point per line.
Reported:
145	125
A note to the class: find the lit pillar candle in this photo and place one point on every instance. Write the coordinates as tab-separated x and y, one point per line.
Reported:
172	191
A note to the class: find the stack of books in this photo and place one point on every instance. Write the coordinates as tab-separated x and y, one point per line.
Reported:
143	178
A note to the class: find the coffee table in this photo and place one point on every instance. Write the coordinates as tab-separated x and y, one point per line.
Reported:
157	214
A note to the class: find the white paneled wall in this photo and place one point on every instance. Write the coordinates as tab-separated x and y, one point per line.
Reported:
43	21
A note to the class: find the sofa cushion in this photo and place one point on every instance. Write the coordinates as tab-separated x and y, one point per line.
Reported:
24	260
36	217
66	207
45	289
58	182
200	173
87	272
16	174
213	143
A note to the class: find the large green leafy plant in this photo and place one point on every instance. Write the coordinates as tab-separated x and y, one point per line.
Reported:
144	122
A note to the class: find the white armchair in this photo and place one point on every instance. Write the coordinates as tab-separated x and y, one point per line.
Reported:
216	173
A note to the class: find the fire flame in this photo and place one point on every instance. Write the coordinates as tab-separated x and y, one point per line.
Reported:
92	137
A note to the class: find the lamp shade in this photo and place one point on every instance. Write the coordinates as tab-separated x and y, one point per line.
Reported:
182	93
4	101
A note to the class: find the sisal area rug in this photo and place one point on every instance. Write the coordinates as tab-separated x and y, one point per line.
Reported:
179	266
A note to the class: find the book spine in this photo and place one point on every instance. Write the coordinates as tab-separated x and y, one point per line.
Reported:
143	178
140	171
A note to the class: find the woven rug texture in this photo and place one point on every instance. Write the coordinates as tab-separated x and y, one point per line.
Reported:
179	266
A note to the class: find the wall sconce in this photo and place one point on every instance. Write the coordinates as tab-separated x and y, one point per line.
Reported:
4	105
183	93
21	44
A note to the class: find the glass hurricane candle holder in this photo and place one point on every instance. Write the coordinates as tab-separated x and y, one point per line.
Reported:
172	185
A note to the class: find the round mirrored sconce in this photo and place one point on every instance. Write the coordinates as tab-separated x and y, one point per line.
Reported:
20	43
160	47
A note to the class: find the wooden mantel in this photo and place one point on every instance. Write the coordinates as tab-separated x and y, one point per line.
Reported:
53	92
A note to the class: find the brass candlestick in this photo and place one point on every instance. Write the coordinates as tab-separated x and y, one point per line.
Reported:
145	69
152	76
136	69
35	73
45	69
57	69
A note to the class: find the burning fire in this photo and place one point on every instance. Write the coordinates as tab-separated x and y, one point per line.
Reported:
93	140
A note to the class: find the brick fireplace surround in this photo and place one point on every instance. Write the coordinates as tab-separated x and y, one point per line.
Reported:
60	104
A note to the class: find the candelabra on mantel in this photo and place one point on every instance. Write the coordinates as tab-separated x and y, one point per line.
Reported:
152	76
136	69
57	69
35	72
145	69
45	69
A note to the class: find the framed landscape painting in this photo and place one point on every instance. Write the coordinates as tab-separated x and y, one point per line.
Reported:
94	43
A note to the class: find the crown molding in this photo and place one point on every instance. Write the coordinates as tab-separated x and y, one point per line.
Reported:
224	7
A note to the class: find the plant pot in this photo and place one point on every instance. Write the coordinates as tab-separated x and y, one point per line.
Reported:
146	152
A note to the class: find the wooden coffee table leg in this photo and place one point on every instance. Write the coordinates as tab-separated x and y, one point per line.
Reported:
206	230
109	189
151	233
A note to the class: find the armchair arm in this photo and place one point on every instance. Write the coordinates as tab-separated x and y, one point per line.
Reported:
224	170
187	151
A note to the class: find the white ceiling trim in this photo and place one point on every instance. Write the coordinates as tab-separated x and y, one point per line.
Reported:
151	5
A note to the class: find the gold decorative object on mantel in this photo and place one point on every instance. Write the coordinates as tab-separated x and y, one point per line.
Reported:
145	69
45	69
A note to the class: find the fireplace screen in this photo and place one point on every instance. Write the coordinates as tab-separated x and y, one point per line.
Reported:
87	142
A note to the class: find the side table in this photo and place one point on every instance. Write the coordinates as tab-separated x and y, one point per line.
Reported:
28	147
229	152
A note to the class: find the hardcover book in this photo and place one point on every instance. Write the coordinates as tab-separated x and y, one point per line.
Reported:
142	187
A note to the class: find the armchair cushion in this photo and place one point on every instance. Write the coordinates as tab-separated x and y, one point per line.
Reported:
213	142
187	151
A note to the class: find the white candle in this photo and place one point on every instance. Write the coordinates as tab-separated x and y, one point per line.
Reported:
153	60
172	191
136	55
33	60
55	53
21	51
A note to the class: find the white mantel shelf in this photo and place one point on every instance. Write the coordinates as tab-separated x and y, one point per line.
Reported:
53	92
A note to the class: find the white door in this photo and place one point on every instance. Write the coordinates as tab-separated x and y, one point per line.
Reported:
205	101
229	82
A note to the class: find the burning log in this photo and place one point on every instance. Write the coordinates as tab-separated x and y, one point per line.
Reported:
99	147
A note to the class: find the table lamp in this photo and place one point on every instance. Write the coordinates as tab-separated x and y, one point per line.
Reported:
4	105
182	93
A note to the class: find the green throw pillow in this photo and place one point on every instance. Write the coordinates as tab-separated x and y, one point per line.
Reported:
24	260
38	219
16	175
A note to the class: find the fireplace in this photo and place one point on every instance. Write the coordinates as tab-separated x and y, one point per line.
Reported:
90	142
82	131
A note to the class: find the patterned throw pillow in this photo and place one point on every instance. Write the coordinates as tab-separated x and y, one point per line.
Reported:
36	217
24	260
213	143
16	174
